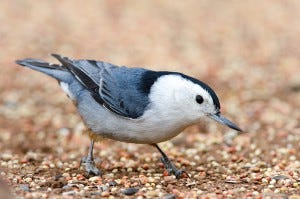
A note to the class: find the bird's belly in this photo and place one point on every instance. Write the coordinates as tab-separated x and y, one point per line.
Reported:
144	137
146	130
136	132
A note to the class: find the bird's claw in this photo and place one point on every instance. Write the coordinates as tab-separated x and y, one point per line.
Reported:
180	173
90	167
173	170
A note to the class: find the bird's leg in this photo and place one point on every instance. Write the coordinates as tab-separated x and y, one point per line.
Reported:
169	165
90	167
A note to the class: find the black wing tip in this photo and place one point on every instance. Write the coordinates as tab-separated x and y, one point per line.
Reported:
57	56
64	60
237	129
60	57
240	130
20	62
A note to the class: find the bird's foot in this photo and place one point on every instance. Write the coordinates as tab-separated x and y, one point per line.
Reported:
90	167
172	169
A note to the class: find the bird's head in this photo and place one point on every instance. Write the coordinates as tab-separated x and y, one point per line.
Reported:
190	98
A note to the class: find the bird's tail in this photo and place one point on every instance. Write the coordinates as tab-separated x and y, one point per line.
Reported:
59	72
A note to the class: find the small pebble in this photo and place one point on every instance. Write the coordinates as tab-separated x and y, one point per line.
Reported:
256	169
277	191
272	182
6	156
112	183
66	175
130	191
105	194
25	187
279	177
152	194
28	179
169	178
94	179
68	193
264	180
113	189
103	187
255	193
143	179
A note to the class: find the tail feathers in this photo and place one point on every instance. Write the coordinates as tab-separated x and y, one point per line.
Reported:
54	70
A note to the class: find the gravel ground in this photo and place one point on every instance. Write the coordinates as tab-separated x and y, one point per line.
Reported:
248	51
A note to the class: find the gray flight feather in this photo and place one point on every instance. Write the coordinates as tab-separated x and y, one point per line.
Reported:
120	88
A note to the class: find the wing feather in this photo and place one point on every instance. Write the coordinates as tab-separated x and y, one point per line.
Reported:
115	88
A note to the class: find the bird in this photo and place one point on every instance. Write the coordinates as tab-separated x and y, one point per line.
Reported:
133	105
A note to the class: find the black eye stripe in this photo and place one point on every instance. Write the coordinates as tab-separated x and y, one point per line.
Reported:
199	99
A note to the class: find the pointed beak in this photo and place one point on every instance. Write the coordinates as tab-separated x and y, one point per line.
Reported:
223	120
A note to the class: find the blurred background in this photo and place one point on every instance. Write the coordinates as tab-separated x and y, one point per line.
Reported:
247	51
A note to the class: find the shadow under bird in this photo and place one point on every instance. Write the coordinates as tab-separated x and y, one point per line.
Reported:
132	105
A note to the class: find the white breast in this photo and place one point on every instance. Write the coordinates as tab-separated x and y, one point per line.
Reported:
153	127
146	130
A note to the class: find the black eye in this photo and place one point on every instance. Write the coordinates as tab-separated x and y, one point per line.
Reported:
199	99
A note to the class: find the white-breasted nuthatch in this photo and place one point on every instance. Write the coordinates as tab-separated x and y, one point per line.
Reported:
133	105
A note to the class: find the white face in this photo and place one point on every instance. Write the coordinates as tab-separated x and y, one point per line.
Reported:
195	99
182	97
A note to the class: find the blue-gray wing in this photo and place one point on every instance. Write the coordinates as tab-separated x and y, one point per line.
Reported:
120	89
116	88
